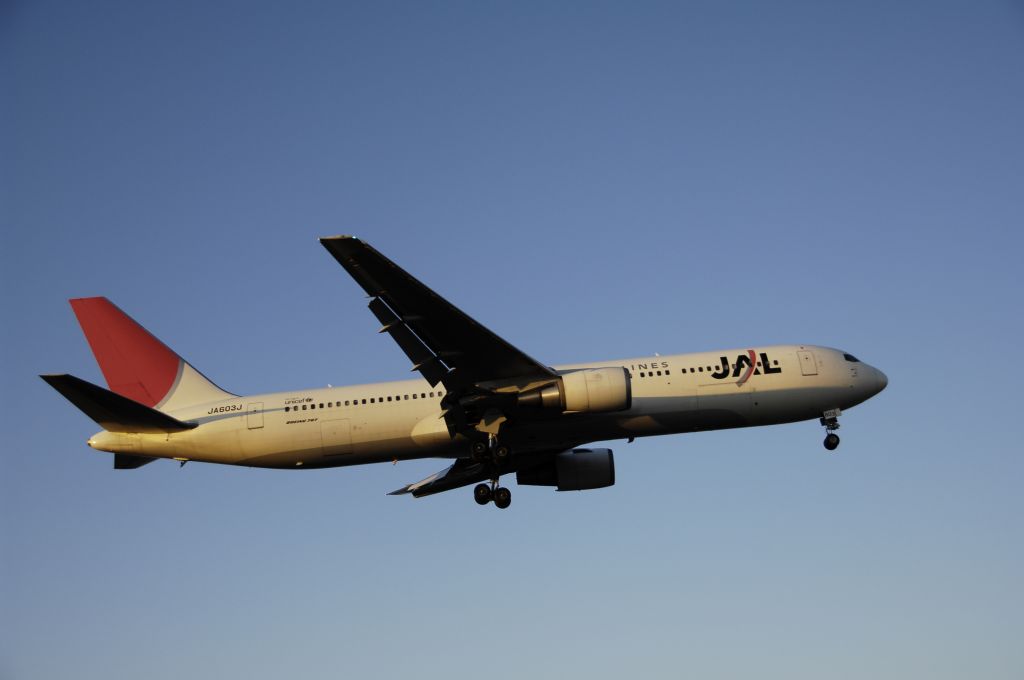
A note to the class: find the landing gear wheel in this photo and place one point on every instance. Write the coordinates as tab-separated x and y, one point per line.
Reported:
482	494
502	452
502	497
478	449
830	421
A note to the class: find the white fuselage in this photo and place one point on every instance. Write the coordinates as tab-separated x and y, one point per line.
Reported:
402	420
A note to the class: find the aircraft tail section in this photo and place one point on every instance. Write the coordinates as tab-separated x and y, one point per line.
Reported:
135	364
111	411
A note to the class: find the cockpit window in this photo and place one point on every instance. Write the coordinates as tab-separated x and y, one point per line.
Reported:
851	358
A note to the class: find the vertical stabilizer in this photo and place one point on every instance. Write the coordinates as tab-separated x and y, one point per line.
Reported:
136	364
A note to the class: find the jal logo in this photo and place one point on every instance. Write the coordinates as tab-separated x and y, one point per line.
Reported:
745	366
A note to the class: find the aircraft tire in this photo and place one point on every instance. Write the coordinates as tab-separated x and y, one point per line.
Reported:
482	494
502	497
832	441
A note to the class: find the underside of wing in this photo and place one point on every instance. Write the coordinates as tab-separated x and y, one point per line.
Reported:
567	470
461	473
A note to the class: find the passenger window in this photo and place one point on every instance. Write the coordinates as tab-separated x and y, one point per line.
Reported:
431	395
659	372
372	400
389	398
287	408
303	407
642	374
414	396
321	405
700	368
423	395
364	401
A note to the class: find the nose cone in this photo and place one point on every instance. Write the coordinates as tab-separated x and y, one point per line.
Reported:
877	380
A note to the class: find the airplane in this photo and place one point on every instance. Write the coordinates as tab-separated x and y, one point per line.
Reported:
478	401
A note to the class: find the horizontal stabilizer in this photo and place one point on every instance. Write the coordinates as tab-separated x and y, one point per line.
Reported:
112	411
123	461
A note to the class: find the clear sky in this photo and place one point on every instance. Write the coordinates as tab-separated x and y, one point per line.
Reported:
591	180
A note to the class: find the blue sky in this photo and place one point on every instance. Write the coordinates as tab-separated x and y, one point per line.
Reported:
590	180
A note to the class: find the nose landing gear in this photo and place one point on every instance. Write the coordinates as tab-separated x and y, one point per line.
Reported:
830	420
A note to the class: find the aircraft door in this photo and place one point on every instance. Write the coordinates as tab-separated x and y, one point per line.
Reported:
336	436
808	365
254	415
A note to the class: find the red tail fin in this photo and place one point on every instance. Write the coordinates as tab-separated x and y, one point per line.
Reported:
135	364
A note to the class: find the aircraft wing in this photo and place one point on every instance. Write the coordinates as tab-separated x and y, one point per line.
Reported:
444	344
461	473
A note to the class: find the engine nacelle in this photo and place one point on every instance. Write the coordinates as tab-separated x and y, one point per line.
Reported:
576	470
587	390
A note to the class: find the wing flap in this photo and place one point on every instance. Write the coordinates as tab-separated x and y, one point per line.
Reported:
466	351
423	360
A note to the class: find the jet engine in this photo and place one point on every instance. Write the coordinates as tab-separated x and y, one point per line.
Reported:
587	390
575	470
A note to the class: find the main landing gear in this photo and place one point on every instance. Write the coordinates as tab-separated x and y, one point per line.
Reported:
830	420
494	455
489	449
485	493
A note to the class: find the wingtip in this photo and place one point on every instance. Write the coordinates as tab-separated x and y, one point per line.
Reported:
339	237
399	492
